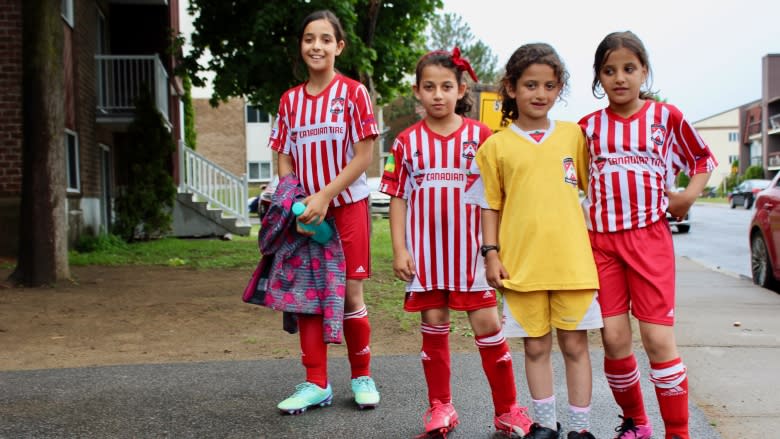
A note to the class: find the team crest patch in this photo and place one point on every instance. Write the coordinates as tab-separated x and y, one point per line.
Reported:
569	171
469	149
600	162
337	105
658	133
469	152
419	178
293	136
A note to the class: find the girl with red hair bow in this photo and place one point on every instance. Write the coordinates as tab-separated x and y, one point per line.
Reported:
436	193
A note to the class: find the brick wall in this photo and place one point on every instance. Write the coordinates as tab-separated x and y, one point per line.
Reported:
10	98
84	45
222	133
10	123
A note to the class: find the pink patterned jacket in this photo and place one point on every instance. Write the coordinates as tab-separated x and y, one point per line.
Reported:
304	277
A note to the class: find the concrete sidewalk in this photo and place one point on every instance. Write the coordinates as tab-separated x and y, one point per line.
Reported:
728	331
732	372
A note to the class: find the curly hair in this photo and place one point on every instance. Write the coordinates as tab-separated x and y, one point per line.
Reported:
525	56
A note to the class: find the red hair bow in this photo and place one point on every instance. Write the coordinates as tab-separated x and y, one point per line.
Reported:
463	64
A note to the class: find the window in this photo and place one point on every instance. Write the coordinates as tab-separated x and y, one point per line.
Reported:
733	158
733	136
72	161
259	171
66	9
255	114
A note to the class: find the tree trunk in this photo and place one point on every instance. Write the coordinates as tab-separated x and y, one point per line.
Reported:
43	244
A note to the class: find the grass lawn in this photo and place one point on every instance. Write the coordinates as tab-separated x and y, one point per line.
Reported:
716	200
383	292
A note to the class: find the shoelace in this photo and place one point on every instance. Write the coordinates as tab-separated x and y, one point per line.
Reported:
626	426
302	388
522	412
429	413
363	384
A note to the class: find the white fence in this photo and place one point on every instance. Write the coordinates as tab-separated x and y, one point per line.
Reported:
218	186
120	78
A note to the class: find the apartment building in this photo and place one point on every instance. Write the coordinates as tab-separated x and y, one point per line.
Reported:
112	49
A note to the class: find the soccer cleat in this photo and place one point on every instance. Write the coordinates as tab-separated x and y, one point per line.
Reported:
540	432
514	423
306	395
366	395
629	430
584	434
439	420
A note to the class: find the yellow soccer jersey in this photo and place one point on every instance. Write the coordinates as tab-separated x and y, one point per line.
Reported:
534	186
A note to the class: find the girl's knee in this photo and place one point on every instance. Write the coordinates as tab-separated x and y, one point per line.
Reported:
573	344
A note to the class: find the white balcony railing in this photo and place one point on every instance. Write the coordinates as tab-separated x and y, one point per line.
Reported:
774	122
216	185
120	78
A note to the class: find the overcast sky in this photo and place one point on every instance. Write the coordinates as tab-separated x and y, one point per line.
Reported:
706	56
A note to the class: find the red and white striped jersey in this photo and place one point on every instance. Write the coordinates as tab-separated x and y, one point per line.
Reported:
633	160
439	178
319	131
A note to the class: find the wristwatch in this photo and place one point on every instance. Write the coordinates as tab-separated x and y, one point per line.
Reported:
487	248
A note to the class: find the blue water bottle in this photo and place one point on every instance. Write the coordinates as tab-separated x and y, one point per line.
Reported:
322	231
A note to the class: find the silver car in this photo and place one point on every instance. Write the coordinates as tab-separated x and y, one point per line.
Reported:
379	202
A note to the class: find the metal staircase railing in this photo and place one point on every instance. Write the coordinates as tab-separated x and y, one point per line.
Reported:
216	185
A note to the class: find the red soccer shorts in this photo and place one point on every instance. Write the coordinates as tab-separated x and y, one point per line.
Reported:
456	300
352	222
636	272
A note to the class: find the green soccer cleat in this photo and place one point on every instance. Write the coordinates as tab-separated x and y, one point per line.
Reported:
366	395
306	395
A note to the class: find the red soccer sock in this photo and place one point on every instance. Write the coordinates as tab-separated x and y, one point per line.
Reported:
435	356
671	388
314	351
497	363
357	333
623	378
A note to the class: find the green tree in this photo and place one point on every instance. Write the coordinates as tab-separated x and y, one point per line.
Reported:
43	244
449	30
754	171
254	51
143	207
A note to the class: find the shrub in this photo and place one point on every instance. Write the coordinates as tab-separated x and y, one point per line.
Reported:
144	206
754	171
103	242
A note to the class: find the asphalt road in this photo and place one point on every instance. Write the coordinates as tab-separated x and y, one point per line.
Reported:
238	400
718	238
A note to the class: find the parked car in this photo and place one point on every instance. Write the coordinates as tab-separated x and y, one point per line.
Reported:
379	202
765	237
682	225
260	203
745	193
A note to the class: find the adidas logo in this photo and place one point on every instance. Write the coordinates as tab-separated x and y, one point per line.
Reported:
507	357
424	356
487	295
670	313
365	351
674	391
360	269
